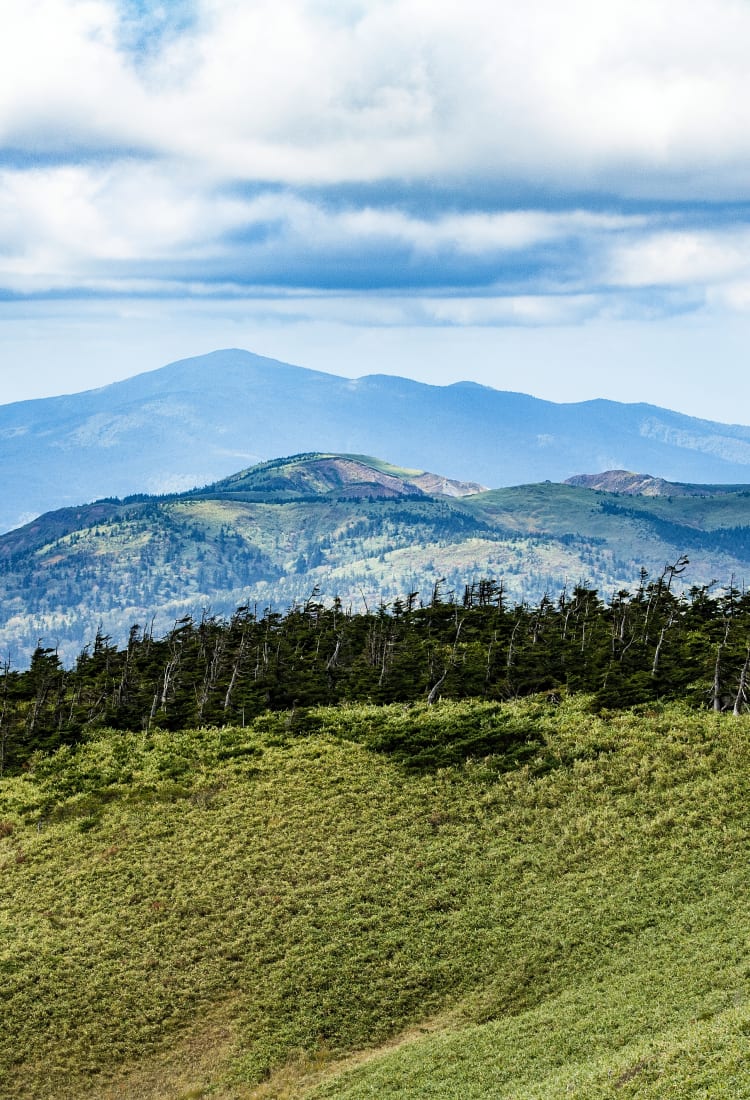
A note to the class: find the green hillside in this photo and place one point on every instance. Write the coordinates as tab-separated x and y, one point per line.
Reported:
272	912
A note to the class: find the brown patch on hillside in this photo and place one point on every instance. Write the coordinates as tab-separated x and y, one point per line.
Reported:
447	487
298	1076
194	1066
624	481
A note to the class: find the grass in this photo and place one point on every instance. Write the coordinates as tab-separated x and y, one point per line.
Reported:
270	912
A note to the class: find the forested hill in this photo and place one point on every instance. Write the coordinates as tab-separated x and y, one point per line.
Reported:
351	527
140	435
643	645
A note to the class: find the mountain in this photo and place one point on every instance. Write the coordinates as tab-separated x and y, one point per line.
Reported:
341	476
625	481
200	419
350	526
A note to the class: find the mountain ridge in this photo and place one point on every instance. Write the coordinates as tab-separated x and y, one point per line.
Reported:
197	420
282	529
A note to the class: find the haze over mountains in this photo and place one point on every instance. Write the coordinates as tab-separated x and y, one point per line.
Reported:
200	419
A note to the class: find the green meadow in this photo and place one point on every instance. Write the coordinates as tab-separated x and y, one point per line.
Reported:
297	909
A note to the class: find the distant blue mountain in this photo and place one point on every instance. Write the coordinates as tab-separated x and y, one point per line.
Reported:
200	419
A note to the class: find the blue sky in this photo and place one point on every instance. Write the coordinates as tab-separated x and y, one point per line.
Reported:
552	198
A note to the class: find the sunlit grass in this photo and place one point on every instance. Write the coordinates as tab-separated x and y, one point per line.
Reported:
345	925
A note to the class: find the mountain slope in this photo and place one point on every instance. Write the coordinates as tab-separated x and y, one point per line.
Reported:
356	528
200	419
282	912
340	476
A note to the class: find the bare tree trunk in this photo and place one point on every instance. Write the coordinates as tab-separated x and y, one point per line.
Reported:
235	673
659	644
388	645
3	713
333	660
161	696
741	697
657	652
435	689
509	659
39	701
451	664
717	671
211	675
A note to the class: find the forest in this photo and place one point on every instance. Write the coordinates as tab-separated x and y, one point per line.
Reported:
654	642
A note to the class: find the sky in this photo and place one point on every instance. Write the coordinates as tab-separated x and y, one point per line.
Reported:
548	197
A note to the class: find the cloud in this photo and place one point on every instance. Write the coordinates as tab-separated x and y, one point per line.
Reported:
138	227
141	222
65	87
682	257
69	225
638	97
496	163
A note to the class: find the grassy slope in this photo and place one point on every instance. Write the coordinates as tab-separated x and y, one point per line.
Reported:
235	913
560	508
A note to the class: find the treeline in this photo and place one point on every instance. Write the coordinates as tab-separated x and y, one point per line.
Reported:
642	645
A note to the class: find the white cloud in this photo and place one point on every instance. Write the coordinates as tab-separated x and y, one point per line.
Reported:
478	233
64	85
733	296
66	226
641	97
523	310
125	164
675	258
141	229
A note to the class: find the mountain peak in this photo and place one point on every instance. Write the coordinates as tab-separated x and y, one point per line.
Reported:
197	420
626	481
319	474
645	485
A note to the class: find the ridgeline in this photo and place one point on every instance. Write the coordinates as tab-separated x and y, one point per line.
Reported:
350	526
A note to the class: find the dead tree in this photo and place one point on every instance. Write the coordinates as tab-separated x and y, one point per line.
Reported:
717	699
740	699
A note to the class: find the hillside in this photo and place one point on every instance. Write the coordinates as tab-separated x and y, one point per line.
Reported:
335	476
198	420
348	526
275	913
625	481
